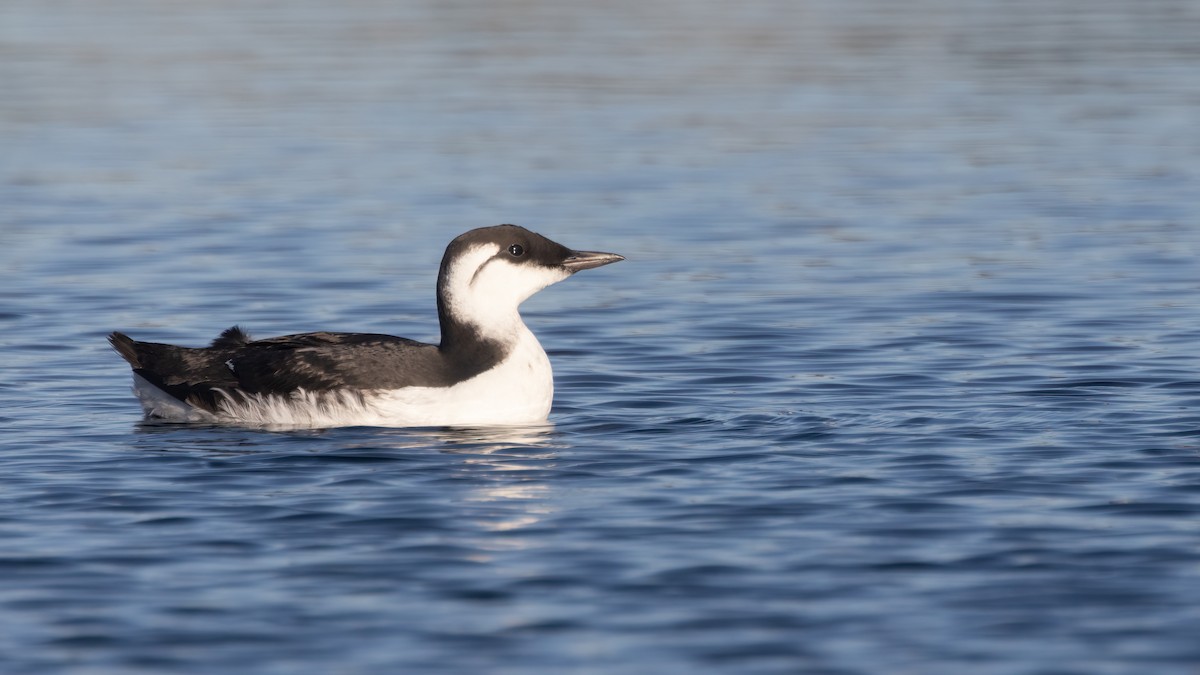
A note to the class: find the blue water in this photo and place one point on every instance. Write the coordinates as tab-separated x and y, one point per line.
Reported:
901	375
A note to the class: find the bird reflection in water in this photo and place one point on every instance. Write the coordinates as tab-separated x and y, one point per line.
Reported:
513	462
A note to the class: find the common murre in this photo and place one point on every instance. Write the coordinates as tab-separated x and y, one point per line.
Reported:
489	369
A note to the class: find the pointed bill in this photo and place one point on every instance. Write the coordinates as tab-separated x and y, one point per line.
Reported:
585	260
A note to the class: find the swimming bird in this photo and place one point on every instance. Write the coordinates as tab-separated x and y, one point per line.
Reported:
488	369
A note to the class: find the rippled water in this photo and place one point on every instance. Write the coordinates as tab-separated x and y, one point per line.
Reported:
900	374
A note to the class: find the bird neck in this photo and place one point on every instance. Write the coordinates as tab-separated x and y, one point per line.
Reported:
470	318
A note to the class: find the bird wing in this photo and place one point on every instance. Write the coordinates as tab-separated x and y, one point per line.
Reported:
326	361
235	365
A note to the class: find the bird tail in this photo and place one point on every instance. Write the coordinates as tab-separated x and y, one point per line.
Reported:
126	347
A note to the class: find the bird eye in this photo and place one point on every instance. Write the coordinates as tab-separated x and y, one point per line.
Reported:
516	250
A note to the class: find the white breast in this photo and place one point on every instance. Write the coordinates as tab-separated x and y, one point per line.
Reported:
518	390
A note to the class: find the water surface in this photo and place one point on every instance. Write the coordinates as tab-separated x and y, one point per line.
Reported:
900	374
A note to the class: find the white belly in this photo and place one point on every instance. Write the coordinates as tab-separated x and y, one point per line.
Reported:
517	391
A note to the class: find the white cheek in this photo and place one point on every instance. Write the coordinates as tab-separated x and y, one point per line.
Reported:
501	280
462	272
486	291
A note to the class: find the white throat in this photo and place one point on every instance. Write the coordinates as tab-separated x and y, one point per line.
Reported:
485	289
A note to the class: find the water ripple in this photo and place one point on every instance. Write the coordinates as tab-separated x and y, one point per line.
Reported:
900	368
